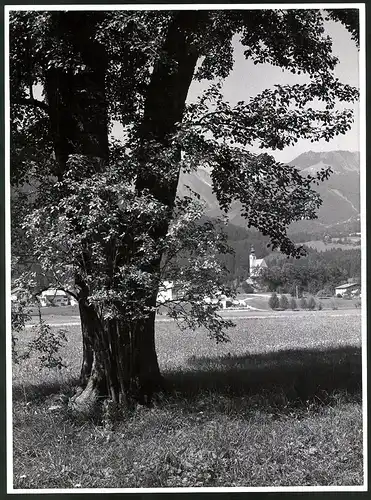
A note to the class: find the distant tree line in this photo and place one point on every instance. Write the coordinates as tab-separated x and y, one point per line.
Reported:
317	271
337	231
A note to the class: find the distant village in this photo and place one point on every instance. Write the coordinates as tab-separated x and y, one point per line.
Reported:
168	290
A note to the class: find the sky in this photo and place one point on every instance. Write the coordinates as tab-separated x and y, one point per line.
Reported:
246	80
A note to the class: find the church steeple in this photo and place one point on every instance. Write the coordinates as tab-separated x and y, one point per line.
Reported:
252	260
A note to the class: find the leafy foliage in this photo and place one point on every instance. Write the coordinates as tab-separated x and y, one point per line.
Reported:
247	288
326	292
19	316
293	304
348	17
274	301
303	303
46	342
311	304
284	302
272	195
105	210
314	272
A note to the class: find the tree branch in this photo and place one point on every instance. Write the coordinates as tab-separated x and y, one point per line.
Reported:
32	102
206	115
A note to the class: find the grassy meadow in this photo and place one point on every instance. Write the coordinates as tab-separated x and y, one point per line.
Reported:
279	405
321	246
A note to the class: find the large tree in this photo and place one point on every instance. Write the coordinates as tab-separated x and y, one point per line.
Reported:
104	219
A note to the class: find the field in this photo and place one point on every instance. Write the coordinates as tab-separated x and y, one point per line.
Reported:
257	301
320	246
260	301
279	405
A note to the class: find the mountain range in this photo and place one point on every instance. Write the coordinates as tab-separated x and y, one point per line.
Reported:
340	194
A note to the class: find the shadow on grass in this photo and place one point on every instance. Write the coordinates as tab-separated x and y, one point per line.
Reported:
281	378
40	392
274	380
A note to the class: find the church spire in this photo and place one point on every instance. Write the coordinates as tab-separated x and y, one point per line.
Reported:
252	261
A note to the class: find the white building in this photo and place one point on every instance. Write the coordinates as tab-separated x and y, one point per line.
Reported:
165	292
73	301
256	265
347	288
53	297
223	301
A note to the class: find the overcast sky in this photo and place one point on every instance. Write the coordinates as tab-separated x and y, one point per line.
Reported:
247	80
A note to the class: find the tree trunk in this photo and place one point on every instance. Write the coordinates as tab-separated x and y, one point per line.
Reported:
87	349
123	364
78	119
76	98
165	103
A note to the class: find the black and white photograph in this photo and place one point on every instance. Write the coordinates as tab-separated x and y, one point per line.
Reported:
185	247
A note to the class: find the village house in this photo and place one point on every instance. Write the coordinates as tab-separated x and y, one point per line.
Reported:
53	297
220	300
165	292
73	301
348	289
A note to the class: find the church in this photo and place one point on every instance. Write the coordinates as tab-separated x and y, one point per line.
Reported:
256	265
